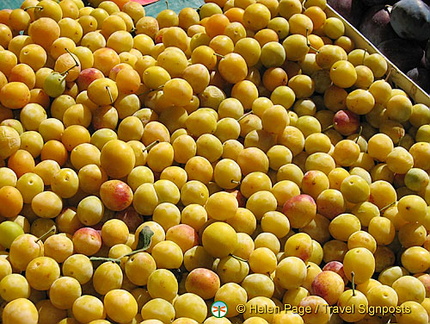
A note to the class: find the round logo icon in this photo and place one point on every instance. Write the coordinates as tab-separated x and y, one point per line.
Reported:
219	309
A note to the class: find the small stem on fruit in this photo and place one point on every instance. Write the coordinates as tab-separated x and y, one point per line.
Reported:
364	55
353	283
44	235
151	146
72	67
143	244
71	54
400	140
63	75
389	74
219	55
313	48
33	7
308	42
244	115
307	37
134	252
359	134
303	3
235	181
386	207
328	128
105	259
167	4
110	94
238	258
150	90
388	8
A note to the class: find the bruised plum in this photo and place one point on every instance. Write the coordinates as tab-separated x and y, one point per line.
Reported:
405	54
376	24
351	10
410	19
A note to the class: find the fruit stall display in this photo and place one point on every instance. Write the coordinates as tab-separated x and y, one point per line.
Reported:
241	161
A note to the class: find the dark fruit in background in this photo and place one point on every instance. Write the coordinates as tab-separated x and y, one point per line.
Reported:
351	10
376	24
410	19
405	54
427	55
420	76
371	3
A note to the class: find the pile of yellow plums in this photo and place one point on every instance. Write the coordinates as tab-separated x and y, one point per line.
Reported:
243	162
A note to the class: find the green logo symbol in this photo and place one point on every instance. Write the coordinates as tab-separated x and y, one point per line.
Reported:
219	309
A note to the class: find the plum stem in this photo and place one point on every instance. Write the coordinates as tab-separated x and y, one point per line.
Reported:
117	260
63	76
386	207
150	90
134	252
389	74
110	94
147	148
328	128
400	140
353	283
309	43
244	115
359	134
72	67
388	8
364	56
104	259
33	7
145	237
238	258
52	229
219	55
71	54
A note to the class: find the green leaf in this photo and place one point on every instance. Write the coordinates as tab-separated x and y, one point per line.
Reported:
145	237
